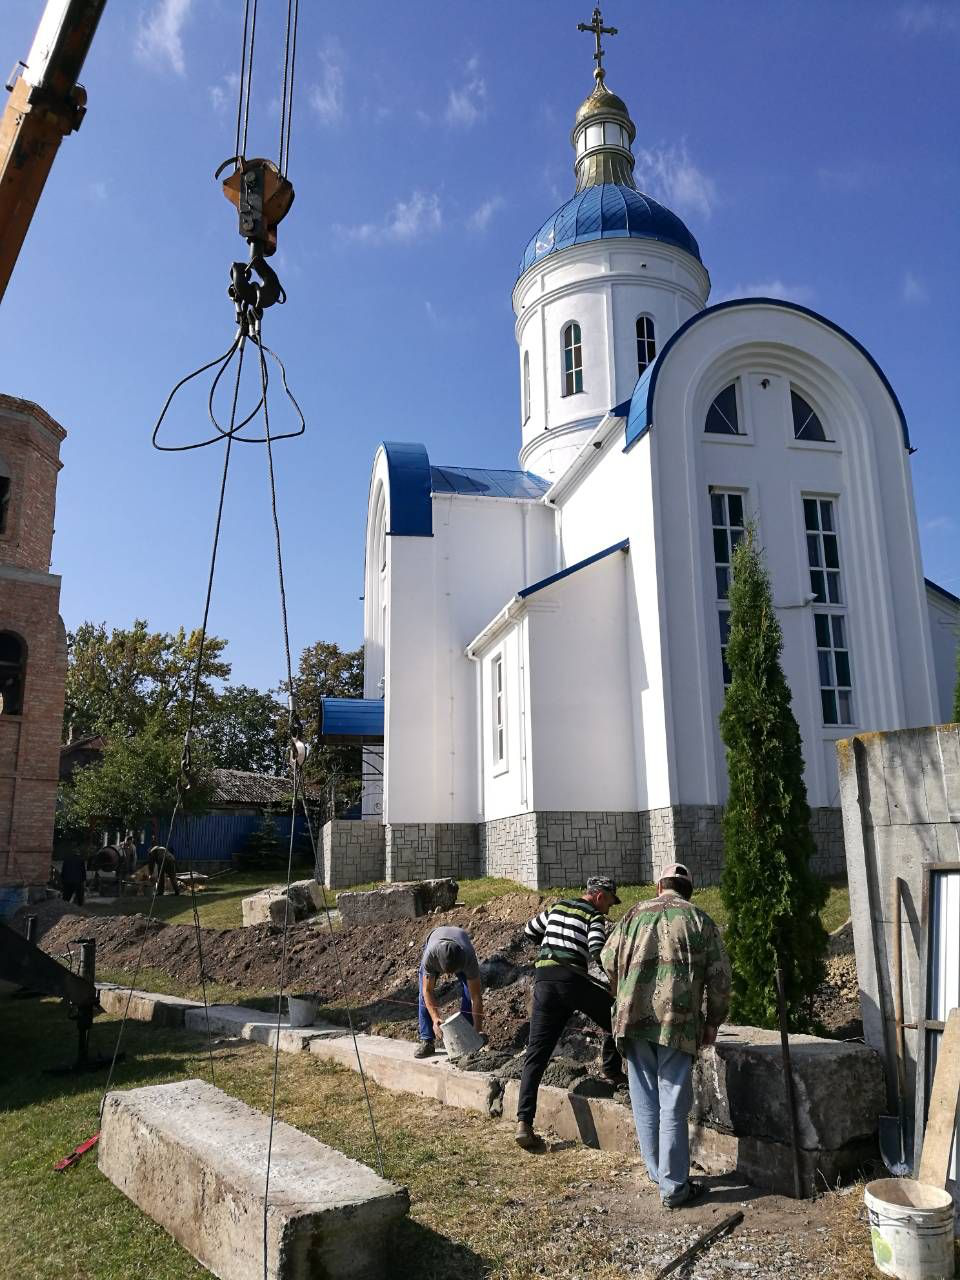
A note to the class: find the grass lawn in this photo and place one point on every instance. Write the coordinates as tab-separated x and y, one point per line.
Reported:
219	906
478	1208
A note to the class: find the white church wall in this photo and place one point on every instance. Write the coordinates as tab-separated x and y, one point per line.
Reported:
579	680
944	636
443	590
866	476
603	286
505	785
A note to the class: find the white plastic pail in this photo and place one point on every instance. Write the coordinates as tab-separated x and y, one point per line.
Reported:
911	1226
459	1036
300	1013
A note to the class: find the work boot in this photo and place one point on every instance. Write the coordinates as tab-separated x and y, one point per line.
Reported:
424	1049
692	1192
525	1136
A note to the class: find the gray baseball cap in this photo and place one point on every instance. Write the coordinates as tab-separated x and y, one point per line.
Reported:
449	956
603	884
676	871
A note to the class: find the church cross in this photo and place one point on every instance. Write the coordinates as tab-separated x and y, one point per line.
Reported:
598	29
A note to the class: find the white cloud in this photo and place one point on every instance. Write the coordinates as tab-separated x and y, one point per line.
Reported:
940	524
160	36
468	103
669	175
223	94
97	192
912	289
479	220
407	221
432	314
918	19
326	94
775	288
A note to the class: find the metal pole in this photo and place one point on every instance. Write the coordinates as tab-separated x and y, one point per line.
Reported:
88	958
31	929
788	1085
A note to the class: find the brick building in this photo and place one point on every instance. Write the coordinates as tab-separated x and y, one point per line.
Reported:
33	647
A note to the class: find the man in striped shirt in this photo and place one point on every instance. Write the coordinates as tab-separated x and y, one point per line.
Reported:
570	933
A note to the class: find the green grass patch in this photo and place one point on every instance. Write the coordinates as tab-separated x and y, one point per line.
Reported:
218	903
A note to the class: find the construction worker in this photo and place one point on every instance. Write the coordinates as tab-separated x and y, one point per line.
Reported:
448	950
663	957
73	877
570	934
163	864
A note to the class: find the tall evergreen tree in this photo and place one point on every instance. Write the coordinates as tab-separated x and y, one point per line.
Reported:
771	895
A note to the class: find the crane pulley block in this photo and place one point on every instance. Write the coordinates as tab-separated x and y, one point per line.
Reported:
262	196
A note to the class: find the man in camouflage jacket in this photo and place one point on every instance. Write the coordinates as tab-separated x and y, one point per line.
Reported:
662	958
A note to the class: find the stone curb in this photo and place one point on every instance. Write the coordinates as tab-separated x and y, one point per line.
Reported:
145	1006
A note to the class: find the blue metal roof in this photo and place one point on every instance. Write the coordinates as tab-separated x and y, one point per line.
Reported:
574	568
608	211
640	416
489	484
357	721
408	472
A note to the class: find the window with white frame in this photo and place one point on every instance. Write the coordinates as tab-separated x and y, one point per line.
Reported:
723	417
829	619
499	718
646	343
727	521
526	385
806	423
726	516
572	360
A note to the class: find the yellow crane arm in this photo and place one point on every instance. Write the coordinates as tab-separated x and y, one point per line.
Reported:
45	104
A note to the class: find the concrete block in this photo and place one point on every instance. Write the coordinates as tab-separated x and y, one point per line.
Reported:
269	905
596	1122
770	1164
144	1006
391	1063
839	1088
194	1159
240	1023
404	901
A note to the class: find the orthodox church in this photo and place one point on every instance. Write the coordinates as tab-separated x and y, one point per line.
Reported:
545	647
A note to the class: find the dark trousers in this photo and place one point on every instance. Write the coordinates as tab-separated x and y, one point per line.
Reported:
73	891
558	993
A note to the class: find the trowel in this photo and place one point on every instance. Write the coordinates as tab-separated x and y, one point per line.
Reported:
895	1132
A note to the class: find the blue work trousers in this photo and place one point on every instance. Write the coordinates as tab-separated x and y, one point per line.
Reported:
661	1091
423	1015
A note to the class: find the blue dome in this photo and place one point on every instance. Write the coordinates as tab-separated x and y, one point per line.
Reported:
604	212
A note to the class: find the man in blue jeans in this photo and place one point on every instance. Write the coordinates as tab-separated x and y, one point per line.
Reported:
665	960
448	951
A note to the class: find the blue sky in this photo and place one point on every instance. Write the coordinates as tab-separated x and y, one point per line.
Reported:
809	146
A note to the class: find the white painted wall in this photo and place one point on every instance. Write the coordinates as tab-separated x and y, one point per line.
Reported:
603	285
945	637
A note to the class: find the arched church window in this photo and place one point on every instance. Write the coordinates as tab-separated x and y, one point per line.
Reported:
13	665
646	343
572	360
526	385
806	424
723	418
5	479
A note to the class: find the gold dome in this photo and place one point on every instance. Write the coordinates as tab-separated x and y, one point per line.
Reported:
602	101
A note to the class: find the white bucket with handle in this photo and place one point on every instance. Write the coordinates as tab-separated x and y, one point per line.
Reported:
301	1012
459	1036
911	1227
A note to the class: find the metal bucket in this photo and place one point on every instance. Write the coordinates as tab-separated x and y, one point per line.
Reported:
911	1227
459	1036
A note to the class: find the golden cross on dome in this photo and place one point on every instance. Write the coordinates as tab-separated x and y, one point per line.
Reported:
598	29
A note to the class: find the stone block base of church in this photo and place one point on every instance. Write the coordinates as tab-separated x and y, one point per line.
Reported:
547	849
354	852
432	850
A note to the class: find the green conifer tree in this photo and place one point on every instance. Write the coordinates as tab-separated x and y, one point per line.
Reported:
771	896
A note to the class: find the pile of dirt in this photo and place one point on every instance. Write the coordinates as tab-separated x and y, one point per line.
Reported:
380	967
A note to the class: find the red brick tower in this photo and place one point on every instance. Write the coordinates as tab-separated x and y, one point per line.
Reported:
33	647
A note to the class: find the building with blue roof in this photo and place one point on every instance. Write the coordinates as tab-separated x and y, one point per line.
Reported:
545	647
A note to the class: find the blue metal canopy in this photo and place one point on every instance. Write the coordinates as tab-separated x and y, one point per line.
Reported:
483	483
352	721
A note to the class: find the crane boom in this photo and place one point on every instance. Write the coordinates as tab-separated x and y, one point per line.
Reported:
45	104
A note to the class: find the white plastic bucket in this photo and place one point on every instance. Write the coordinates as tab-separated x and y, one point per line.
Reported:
300	1012
911	1226
459	1036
